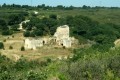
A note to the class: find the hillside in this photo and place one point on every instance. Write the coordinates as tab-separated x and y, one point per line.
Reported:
100	15
93	56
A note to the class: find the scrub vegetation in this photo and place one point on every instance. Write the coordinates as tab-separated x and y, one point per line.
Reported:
100	25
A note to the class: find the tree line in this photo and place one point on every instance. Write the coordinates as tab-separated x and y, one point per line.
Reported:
59	7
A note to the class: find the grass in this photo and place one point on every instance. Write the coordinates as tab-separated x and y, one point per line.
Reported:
41	53
37	54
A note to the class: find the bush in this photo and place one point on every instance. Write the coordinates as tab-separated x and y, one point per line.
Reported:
26	34
49	60
35	76
6	76
21	64
32	34
62	77
15	27
10	47
4	40
7	32
22	48
53	16
1	45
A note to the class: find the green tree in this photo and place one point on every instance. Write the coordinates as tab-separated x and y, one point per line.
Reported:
15	19
26	34
7	32
15	27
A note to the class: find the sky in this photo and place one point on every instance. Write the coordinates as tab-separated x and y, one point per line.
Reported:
77	3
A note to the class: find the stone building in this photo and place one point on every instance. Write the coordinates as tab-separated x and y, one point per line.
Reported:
62	32
62	36
33	43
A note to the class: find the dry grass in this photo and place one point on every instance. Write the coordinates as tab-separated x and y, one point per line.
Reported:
36	54
44	52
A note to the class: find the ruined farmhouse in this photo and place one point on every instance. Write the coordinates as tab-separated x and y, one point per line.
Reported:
60	38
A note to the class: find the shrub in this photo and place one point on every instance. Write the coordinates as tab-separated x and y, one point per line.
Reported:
22	64
32	34
43	63
1	45
35	76
4	40
13	36
10	47
6	76
15	27
64	47
62	77
53	16
7	32
22	48
26	34
49	60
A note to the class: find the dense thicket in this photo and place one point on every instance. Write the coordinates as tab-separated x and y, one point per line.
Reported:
90	64
22	69
86	64
9	21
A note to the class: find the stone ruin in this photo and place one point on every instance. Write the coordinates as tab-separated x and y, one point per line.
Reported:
60	38
33	43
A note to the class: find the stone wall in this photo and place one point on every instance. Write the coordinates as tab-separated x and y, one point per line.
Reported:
33	43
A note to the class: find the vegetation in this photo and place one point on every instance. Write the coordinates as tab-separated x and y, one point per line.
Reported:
26	34
1	45
22	67
7	32
92	64
10	47
80	26
101	25
85	64
22	48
